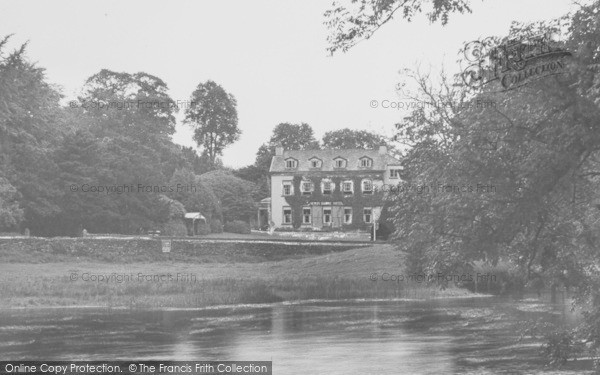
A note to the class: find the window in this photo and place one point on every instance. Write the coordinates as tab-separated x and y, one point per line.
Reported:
367	187
395	173
327	216
306	215
366	162
315	163
347	215
291	163
347	187
367	215
340	163
287	188
327	187
307	187
287	215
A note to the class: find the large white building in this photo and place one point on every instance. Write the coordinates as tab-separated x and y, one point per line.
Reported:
328	189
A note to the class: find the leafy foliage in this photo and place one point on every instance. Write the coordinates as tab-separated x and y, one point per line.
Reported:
11	214
237	226
236	196
348	138
352	21
213	115
200	199
538	146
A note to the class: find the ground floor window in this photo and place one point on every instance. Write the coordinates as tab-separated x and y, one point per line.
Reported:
306	215
367	215
347	215
287	215
327	216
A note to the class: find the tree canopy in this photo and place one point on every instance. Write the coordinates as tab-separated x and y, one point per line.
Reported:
538	146
213	115
348	138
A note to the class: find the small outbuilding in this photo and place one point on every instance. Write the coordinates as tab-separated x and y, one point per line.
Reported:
193	221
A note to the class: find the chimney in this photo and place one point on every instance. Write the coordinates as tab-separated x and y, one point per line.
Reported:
383	150
279	151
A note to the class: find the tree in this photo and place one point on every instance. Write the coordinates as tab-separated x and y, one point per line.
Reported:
347	138
30	119
134	105
200	164
79	160
293	137
11	215
360	19
236	196
175	225
539	146
132	118
259	176
199	197
213	115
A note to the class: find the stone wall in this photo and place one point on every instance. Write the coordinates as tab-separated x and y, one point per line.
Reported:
144	249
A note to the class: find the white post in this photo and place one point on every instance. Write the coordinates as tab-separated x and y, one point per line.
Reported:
374	231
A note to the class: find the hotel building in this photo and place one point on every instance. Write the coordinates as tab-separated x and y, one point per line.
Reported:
329	189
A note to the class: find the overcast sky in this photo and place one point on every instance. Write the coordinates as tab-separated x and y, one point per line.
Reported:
271	55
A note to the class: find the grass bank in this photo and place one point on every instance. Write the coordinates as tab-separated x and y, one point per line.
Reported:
340	275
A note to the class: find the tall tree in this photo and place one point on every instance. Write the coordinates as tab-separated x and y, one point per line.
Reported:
213	114
539	147
132	119
348	138
134	105
30	119
293	137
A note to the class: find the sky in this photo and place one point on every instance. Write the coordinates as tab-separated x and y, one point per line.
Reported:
270	54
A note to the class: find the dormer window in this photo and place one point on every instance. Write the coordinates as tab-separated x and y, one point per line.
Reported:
315	162
339	162
366	162
291	163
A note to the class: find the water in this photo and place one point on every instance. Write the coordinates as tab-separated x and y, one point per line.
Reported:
478	335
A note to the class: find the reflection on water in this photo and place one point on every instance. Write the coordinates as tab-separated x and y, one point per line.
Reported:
315	337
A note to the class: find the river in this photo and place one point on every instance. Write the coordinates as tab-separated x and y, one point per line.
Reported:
463	335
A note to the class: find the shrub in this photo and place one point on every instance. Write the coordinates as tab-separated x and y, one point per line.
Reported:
174	228
236	196
237	226
203	229
558	347
216	226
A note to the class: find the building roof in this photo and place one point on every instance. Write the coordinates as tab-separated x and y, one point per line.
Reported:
353	157
194	215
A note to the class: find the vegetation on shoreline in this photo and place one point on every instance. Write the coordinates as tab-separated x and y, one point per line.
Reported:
86	282
46	291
